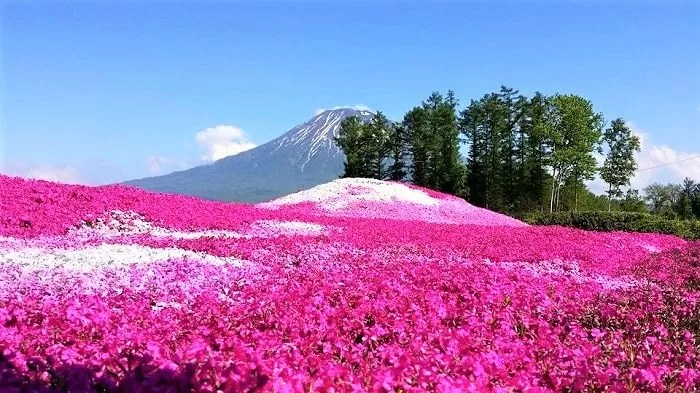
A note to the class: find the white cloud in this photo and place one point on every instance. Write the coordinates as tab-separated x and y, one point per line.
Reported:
65	174
597	186
357	107
657	163
162	164
155	164
663	163
223	141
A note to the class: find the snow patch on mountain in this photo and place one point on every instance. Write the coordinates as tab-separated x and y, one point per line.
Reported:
303	157
317	135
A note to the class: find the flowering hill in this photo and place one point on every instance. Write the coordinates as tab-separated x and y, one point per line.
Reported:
369	198
352	286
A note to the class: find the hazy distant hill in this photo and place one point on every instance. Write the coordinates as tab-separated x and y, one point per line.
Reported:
301	158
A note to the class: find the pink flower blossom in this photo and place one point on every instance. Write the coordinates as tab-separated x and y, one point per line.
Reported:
383	293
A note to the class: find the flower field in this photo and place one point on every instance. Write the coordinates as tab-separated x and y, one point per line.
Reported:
353	286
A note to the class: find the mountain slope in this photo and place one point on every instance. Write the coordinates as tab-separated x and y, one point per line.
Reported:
302	157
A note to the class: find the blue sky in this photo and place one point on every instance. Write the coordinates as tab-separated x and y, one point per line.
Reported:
104	91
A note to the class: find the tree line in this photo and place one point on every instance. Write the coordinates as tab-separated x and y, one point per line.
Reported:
522	153
674	200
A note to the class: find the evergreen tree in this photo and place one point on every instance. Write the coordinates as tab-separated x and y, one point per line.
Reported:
536	158
376	136
685	202
432	140
414	125
398	150
486	127
695	201
619	165
449	169
474	125
434	143
351	141
523	153
511	137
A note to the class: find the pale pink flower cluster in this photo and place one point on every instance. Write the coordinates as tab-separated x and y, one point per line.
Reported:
370	198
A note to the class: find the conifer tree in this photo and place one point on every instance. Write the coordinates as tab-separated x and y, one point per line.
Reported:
415	127
397	146
375	138
349	141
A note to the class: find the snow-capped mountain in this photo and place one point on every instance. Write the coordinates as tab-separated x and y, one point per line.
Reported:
314	139
301	158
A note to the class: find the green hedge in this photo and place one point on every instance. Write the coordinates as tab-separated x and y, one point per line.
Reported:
618	221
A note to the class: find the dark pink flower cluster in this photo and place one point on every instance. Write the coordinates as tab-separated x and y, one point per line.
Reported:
186	295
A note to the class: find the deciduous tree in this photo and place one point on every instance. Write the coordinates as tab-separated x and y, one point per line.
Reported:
620	164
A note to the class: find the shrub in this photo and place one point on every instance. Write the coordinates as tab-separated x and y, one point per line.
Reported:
618	221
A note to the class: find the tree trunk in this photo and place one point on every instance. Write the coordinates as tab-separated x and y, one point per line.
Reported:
609	197
576	190
558	200
551	199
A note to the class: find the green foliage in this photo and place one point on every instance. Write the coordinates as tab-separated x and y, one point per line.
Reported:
534	156
524	154
573	133
433	138
519	147
632	202
484	124
674	200
506	153
619	165
377	134
415	127
351	141
574	195
366	146
618	221
689	200
398	149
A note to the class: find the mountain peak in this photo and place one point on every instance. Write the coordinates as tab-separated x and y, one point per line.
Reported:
346	111
316	135
301	158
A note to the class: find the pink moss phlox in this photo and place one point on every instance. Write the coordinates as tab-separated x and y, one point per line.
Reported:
366	304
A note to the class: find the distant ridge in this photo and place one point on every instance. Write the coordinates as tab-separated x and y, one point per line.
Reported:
301	158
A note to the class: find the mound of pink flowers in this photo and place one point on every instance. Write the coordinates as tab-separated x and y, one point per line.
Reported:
369	198
372	286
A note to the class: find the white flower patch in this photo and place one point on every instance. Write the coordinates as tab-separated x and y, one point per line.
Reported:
121	223
340	193
102	256
370	198
10	243
651	248
570	270
124	224
272	228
